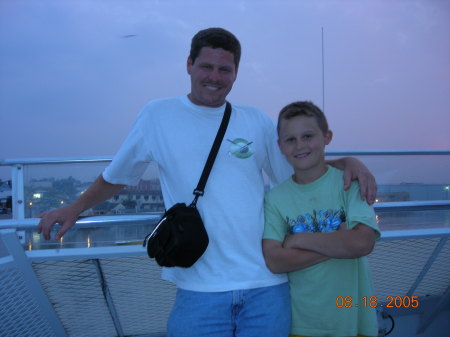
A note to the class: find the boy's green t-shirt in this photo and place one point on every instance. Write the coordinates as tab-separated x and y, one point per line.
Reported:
318	292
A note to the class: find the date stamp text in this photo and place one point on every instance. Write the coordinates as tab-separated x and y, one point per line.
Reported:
374	302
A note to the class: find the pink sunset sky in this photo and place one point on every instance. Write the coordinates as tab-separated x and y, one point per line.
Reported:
74	74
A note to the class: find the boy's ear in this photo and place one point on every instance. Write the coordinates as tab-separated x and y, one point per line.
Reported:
328	137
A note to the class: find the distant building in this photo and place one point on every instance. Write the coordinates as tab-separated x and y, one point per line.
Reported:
42	183
5	196
146	196
102	209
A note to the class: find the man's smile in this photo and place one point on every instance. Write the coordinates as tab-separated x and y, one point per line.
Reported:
213	87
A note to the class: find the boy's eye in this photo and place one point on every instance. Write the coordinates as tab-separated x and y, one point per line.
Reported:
290	139
306	137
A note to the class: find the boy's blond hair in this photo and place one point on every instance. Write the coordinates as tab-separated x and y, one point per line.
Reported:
303	108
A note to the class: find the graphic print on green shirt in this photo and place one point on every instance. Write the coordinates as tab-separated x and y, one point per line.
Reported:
317	222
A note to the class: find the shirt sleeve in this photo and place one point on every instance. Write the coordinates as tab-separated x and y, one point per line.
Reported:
275	226
276	166
358	211
132	159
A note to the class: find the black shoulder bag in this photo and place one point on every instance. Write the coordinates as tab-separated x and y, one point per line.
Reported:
180	237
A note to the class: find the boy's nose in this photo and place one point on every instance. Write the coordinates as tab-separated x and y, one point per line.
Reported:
301	144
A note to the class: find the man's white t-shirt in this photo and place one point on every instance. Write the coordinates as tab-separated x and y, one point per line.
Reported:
178	135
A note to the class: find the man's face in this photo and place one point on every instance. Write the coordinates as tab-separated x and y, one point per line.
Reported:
212	76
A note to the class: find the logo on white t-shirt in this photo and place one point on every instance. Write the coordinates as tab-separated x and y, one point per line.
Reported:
240	148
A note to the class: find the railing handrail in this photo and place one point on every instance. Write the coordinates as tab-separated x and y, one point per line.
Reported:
87	222
138	250
386	235
63	160
389	153
416	233
412	205
101	159
143	218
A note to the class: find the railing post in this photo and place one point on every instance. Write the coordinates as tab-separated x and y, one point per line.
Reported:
18	194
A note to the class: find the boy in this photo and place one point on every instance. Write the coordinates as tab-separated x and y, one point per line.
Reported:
319	233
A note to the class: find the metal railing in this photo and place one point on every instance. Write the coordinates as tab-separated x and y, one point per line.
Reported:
121	287
405	263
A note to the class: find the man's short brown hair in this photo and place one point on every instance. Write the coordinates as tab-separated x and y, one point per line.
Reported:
215	38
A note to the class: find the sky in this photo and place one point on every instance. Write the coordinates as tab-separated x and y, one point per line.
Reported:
74	74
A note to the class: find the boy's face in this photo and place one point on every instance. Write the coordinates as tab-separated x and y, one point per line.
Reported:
303	144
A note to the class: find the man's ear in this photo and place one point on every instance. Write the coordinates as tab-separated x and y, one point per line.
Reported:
189	64
328	137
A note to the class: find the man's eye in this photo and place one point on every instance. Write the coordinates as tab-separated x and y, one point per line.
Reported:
306	137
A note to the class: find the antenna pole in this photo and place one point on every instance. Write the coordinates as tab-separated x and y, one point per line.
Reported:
323	76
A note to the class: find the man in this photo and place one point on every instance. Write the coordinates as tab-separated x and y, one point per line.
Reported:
229	291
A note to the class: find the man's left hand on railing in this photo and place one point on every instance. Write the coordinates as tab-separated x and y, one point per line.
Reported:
99	191
66	216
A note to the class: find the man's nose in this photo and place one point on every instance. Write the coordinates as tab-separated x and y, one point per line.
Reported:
214	75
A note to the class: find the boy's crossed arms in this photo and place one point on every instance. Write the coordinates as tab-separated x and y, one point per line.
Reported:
301	250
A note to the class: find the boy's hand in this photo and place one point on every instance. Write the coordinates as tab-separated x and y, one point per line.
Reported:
343	227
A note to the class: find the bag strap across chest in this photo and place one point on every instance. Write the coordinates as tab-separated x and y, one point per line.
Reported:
199	190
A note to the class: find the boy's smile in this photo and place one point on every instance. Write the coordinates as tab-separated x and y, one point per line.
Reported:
303	144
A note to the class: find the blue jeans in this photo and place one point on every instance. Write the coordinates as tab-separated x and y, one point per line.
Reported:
260	312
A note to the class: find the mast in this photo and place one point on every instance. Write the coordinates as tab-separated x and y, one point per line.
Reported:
323	76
